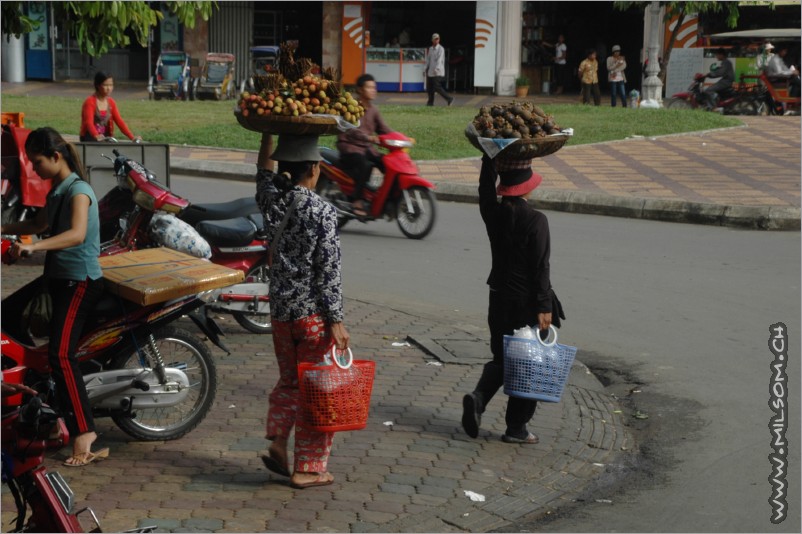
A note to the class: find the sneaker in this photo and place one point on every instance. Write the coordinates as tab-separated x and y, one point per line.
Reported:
471	417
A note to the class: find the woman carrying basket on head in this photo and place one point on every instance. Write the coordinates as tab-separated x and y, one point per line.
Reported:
520	289
306	300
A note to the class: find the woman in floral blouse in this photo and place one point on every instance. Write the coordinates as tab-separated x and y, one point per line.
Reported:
306	301
589	76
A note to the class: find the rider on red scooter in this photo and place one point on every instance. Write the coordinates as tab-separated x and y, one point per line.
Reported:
357	155
726	74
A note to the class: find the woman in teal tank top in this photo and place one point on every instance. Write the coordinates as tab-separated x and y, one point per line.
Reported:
72	274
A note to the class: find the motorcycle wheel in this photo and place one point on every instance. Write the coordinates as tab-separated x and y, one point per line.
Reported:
742	107
677	103
258	323
332	194
419	221
179	348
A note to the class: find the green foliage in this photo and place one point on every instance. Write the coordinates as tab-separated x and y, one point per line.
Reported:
521	81
438	131
101	25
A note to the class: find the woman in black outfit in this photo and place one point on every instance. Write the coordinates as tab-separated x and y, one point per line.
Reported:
520	289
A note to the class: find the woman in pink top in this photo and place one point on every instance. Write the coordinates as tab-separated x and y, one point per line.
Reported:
99	113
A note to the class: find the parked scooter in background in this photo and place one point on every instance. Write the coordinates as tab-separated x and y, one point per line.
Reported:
155	380
44	500
142	213
403	194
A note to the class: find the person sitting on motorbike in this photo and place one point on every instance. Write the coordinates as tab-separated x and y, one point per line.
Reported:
777	71
726	74
357	155
99	113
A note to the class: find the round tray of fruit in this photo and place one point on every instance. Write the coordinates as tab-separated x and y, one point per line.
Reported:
519	130
310	105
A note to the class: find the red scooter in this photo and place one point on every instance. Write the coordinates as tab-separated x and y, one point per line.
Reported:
731	101
236	239
403	194
29	430
155	381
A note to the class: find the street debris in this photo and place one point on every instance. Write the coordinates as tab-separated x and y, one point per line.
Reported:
435	363
604	501
401	344
475	497
388	423
639	415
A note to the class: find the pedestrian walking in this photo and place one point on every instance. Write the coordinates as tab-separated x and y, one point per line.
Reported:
435	71
72	276
306	301
616	64
560	64
520	288
589	77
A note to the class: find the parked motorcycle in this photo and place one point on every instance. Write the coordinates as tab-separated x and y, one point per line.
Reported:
24	192
30	430
731	101
155	380
403	194
233	231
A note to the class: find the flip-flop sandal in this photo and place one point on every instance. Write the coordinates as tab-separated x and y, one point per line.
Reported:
86	458
323	479
275	465
530	439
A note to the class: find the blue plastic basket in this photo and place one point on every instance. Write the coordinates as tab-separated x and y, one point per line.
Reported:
536	370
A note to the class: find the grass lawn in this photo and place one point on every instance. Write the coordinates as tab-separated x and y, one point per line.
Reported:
438	131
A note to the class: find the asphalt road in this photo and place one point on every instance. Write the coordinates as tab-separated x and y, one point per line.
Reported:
678	313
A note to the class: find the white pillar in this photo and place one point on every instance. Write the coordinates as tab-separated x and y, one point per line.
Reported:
13	59
508	46
652	86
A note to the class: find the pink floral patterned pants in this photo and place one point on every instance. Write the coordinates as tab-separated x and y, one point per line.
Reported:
304	340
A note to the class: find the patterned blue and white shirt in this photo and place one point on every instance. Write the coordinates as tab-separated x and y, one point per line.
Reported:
305	278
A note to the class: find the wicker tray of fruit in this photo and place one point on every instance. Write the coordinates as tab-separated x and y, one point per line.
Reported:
519	130
310	124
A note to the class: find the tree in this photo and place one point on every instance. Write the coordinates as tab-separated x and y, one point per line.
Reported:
682	10
98	26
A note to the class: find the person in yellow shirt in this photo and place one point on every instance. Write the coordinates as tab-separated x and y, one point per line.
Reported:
589	76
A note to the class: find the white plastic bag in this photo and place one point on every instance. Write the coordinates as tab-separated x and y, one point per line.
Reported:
171	232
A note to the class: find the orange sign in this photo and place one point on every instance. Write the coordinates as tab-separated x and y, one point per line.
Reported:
688	33
353	41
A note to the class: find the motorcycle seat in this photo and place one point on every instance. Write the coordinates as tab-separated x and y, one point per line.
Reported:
240	207
237	232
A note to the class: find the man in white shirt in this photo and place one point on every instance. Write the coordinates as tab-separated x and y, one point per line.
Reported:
435	71
777	70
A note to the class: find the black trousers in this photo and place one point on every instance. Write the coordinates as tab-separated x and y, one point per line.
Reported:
435	83
359	166
504	316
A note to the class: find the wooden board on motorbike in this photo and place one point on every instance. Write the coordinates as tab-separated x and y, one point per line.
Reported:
156	275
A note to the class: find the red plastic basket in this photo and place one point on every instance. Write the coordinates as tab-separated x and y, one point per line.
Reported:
336	397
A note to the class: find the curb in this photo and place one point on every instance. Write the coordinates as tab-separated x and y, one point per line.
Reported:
667	210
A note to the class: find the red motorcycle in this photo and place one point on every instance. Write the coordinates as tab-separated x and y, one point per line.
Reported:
731	101
30	430
156	381
403	194
232	231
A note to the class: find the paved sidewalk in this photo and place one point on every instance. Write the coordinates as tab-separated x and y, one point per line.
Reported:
745	176
408	471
